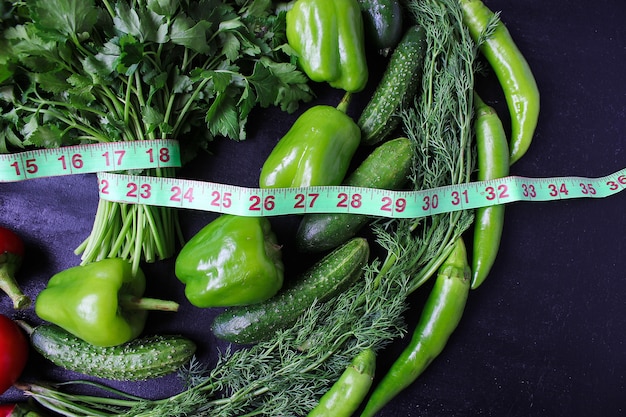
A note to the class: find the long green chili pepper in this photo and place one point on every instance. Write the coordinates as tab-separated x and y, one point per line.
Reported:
440	317
513	72
345	396
493	162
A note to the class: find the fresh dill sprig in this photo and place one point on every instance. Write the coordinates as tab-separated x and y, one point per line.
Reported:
440	125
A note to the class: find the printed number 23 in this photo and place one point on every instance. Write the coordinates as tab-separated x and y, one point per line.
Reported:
134	190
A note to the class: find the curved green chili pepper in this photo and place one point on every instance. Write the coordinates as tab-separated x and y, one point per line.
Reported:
442	313
493	162
345	396
511	68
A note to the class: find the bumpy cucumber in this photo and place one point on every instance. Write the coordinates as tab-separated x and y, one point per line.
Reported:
398	85
387	167
329	276
382	21
137	360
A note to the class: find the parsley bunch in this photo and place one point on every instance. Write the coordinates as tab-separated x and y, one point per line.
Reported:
87	71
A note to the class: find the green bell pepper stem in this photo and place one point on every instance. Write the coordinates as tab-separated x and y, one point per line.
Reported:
11	254
130	303
344	103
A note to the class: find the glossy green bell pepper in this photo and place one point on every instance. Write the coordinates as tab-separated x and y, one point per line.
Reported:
317	149
101	302
232	261
328	38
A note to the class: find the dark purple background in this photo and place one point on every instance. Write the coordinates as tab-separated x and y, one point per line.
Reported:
545	334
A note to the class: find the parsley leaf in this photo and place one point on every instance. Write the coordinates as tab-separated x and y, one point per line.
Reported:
67	17
193	36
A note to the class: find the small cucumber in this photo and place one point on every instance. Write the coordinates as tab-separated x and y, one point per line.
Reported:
136	360
383	23
397	87
387	167
325	279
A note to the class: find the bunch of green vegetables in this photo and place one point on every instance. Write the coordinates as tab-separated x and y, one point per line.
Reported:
286	373
89	71
313	344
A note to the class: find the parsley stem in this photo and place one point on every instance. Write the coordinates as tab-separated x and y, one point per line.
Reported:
50	111
110	9
127	102
72	106
119	241
139	240
157	231
190	102
168	111
111	101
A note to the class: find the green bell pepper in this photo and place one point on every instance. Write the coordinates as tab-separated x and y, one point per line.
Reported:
317	149
100	302
328	38
234	260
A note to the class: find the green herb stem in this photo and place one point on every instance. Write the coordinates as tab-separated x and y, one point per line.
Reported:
190	102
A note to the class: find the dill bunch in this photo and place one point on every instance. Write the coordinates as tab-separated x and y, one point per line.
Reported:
439	124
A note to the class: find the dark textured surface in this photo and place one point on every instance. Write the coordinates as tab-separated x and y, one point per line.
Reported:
543	336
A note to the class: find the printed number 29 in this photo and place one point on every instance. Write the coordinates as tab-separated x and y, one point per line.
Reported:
390	205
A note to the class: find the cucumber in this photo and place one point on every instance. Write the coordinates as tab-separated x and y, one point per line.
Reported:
398	85
136	360
383	23
387	167
325	279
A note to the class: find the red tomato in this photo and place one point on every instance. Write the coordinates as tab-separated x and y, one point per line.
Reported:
10	242
6	409
13	352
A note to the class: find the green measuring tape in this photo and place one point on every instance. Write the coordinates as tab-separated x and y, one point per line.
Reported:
104	158
245	201
100	157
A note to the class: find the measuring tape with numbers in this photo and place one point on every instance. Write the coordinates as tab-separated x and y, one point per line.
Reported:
79	159
244	201
104	158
